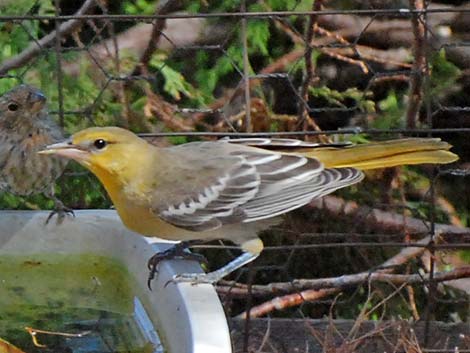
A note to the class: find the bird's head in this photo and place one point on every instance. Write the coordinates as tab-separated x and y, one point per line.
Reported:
20	103
101	149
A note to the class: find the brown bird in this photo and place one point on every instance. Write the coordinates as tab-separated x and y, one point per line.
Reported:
25	128
226	189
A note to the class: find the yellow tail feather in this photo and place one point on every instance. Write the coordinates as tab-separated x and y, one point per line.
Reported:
386	154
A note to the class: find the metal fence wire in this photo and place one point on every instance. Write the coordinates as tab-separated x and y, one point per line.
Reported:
382	264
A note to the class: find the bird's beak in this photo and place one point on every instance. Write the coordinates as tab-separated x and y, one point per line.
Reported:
66	149
38	101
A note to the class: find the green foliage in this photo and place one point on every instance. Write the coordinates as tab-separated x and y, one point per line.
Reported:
178	140
214	68
424	210
444	74
139	7
78	92
359	138
392	110
258	35
336	98
14	38
175	83
23	7
465	256
80	189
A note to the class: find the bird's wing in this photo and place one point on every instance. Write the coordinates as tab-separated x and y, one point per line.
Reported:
7	147
203	186
284	144
231	183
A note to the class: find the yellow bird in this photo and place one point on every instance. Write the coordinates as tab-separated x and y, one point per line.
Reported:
227	189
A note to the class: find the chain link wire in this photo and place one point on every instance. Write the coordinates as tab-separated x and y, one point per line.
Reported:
384	254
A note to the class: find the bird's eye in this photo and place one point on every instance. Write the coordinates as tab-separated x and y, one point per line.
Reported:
100	144
13	107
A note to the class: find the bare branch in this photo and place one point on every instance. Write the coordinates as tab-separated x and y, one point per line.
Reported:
338	283
376	219
419	66
160	24
35	47
304	118
382	221
342	282
287	301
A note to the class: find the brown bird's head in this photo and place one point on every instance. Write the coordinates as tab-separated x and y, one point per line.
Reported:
22	103
103	150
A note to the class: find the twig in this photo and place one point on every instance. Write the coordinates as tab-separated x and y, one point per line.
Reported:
383	31
345	281
323	287
35	47
390	57
334	54
412	302
352	340
286	301
155	35
380	79
115	56
178	34
33	332
160	108
331	286
276	66
304	117
380	220
386	57
58	66
265	337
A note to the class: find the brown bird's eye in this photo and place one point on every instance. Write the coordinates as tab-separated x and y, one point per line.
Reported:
13	107
100	144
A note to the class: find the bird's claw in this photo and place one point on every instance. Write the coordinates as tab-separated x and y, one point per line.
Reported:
61	212
175	252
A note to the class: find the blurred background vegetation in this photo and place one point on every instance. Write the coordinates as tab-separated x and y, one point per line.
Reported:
188	76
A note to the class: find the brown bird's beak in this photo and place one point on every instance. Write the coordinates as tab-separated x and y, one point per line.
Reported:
66	149
38	101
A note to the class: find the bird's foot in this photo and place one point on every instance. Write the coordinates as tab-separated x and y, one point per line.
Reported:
177	251
217	275
195	278
61	211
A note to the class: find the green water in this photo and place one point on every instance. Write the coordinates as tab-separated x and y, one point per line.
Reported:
69	294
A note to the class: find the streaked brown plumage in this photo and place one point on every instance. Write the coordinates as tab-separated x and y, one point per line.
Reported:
25	128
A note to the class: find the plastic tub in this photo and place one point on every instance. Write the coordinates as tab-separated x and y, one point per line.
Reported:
188	318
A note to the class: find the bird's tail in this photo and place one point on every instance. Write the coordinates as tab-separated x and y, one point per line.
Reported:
385	154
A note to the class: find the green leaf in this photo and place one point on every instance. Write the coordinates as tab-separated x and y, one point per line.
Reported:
392	110
257	37
444	74
175	84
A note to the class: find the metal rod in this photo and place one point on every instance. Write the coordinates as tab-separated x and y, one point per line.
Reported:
254	14
58	55
246	70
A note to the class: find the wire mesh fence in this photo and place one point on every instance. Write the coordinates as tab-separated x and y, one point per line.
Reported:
323	70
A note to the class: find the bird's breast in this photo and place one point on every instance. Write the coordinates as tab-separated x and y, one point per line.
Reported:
141	219
23	171
135	211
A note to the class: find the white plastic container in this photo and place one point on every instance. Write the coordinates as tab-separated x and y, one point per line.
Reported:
189	318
